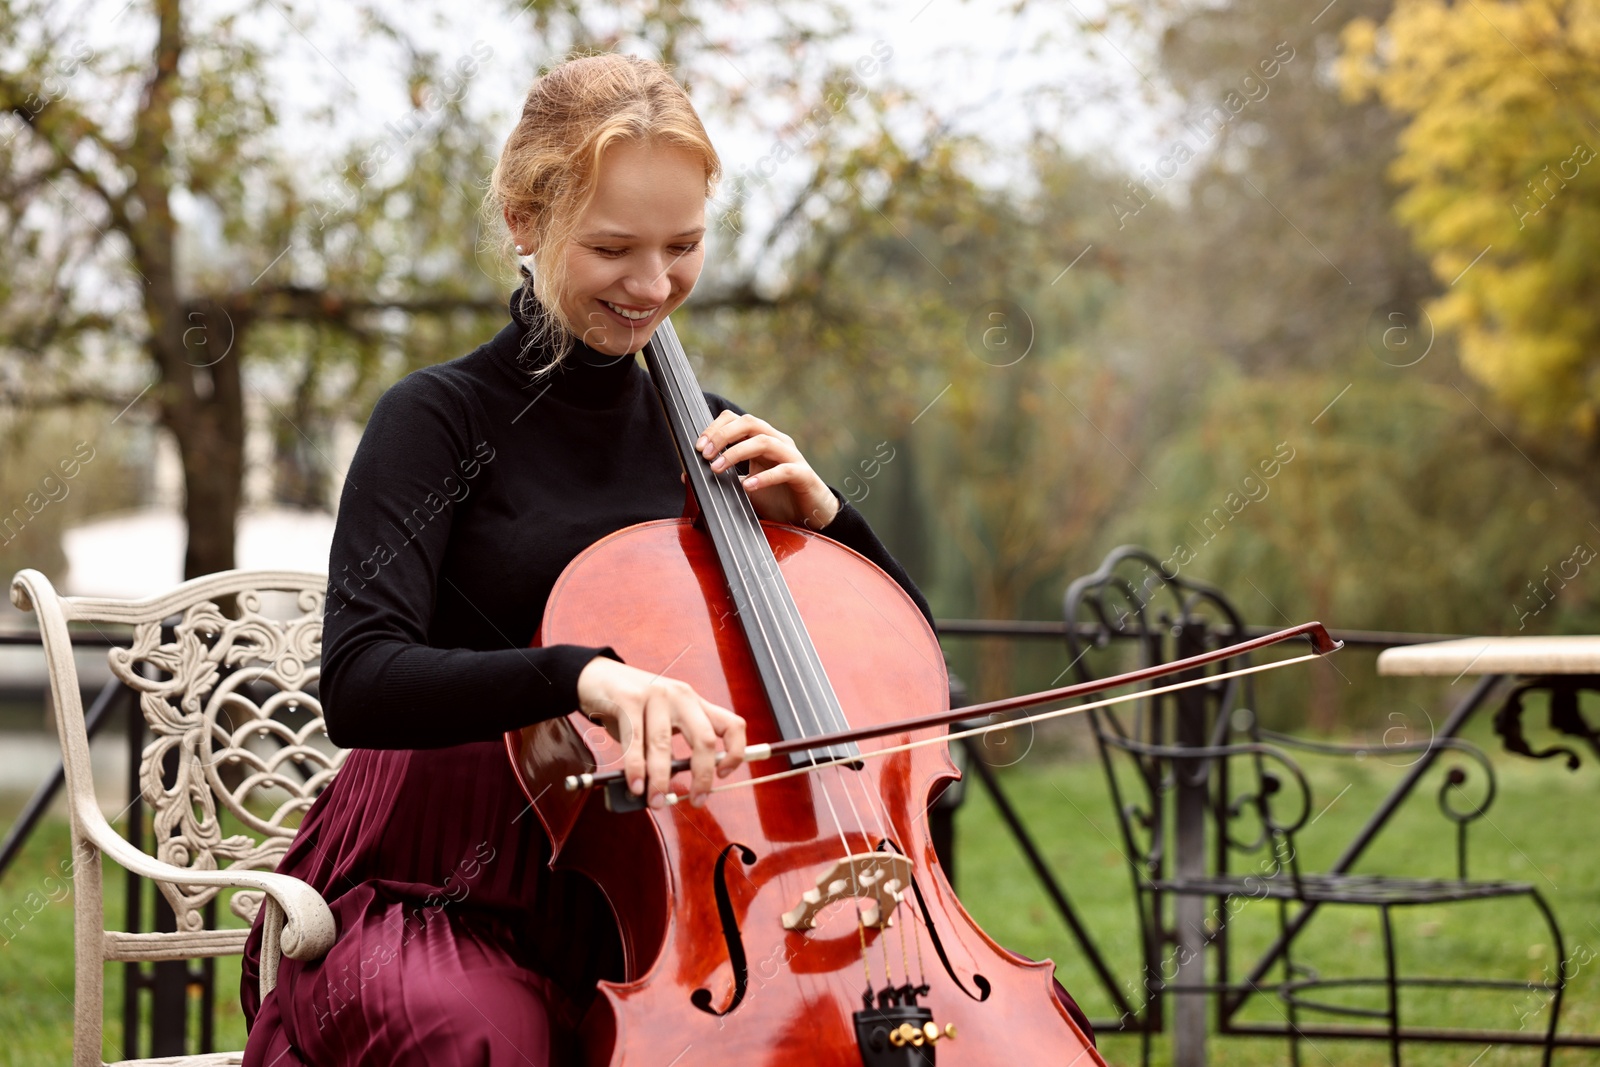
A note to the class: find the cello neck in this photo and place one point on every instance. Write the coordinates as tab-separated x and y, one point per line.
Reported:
802	699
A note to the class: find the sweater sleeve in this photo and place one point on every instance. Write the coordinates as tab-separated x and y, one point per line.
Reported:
850	528
383	685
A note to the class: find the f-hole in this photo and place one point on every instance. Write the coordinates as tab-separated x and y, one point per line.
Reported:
984	988
701	998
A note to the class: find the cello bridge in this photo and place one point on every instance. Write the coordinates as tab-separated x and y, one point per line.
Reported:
880	878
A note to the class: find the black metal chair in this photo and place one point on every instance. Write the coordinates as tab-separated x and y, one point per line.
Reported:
1209	805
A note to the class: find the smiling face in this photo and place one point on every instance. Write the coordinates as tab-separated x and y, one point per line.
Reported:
638	249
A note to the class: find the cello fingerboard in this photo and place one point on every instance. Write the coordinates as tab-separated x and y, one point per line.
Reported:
796	685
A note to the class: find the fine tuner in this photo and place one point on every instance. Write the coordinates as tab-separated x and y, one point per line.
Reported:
899	1032
906	1034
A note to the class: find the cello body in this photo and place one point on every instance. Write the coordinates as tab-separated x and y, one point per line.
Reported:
700	895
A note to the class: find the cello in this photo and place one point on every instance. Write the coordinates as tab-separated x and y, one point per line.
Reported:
801	913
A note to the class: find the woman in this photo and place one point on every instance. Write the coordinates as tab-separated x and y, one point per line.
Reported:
475	483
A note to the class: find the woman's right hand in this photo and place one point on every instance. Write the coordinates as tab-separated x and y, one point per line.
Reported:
643	710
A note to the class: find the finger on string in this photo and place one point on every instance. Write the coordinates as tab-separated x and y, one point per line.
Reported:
709	441
724	434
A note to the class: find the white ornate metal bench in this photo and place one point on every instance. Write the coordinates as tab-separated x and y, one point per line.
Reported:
221	666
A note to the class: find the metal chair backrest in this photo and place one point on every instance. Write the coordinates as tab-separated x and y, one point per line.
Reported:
1132	601
225	669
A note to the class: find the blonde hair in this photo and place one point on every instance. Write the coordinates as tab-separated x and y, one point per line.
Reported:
548	170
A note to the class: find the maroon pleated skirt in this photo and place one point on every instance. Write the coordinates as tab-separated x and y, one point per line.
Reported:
456	945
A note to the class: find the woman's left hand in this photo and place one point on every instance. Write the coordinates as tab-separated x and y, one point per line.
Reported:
781	484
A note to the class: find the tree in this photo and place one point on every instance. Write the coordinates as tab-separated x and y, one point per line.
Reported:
104	157
1502	102
150	209
1393	510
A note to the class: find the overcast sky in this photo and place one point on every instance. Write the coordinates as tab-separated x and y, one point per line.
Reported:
969	58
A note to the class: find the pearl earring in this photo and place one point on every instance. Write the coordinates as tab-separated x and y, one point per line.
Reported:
519	250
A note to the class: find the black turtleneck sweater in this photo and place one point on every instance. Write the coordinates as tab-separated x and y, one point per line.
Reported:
473	487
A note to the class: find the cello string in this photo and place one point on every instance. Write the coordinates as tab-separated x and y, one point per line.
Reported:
782	610
905	962
922	920
883	950
792	633
737	528
715	507
866	964
743	531
852	782
741	526
748	539
757	552
1009	724
725	498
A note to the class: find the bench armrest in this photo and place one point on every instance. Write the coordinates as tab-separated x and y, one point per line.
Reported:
297	923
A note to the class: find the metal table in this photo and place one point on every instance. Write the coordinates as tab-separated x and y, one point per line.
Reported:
1495	655
1562	666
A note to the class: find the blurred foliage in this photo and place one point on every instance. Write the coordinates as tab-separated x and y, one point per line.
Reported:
147	195
1010	369
1498	157
1196	336
1284	245
1396	512
1395	506
37	498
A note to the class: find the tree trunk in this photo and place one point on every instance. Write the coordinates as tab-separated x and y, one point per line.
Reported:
300	474
211	445
210	506
997	599
200	392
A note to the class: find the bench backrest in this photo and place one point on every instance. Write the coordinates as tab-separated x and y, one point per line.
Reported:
225	670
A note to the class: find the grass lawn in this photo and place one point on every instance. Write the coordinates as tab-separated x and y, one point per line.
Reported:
1541	829
36	960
